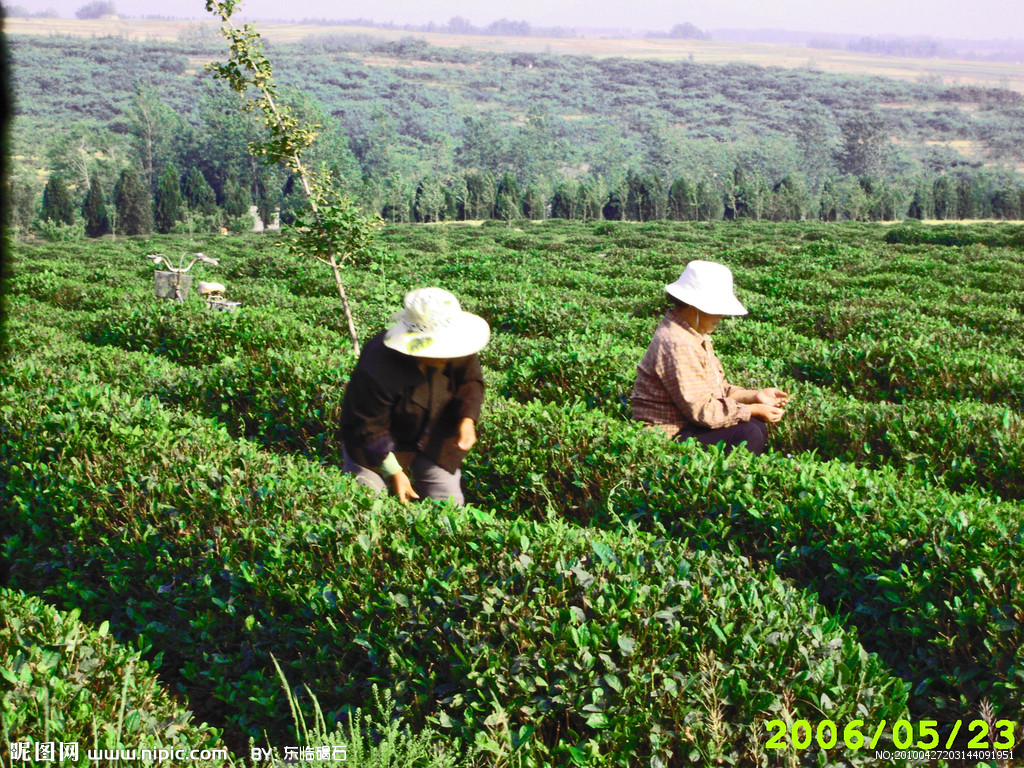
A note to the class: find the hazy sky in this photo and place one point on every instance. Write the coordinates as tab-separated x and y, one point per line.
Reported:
978	19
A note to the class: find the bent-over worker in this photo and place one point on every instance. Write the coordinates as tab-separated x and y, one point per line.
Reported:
410	409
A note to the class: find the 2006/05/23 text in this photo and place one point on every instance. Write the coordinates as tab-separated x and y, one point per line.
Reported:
856	734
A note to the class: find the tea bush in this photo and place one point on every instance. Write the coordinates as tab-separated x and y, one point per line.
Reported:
924	574
192	335
588	642
66	681
168	469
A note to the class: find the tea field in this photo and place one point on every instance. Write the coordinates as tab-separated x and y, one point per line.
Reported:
177	527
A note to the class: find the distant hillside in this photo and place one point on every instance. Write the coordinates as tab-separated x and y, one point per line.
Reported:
991	64
401	113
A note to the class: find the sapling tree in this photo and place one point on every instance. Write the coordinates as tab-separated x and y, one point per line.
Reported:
331	228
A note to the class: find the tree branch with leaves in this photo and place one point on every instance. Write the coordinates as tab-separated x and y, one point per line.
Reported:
332	229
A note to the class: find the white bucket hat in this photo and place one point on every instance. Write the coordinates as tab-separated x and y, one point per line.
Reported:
708	287
434	325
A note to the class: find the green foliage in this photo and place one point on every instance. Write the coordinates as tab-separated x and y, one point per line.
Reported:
332	226
59	232
57	205
198	194
236	201
65	679
192	335
334	231
556	119
956	234
168	203
607	592
95	9
133	204
599	624
94	210
21	197
377	739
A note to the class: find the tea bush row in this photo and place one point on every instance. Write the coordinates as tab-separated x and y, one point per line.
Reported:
585	644
932	579
290	399
67	681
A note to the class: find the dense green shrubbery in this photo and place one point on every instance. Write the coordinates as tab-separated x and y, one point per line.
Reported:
287	399
964	444
957	234
581	642
226	552
926	575
64	680
190	334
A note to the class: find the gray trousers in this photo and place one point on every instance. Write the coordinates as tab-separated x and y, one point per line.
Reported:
428	479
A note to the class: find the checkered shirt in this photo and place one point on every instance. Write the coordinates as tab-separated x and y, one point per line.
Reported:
680	382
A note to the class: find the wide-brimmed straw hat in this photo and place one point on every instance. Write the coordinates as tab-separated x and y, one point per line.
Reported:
708	287
432	324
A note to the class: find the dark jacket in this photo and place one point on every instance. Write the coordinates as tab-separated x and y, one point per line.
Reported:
390	405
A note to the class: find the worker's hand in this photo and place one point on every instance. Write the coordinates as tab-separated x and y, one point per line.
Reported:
467	434
771	396
767	413
402	487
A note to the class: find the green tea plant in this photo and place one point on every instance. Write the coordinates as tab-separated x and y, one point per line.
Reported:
202	449
584	644
66	681
332	229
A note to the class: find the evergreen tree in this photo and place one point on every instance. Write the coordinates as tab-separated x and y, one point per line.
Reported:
266	206
197	193
94	210
21	200
565	202
506	205
133	204
236	201
613	207
167	207
57	205
681	201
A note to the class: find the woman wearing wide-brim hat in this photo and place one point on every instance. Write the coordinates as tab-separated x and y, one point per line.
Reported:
680	384
410	409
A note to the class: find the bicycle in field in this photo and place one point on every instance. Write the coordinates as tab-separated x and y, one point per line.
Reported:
175	282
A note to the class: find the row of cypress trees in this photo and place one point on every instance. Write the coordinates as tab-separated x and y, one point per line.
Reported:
132	210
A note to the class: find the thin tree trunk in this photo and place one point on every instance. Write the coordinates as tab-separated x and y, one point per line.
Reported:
344	303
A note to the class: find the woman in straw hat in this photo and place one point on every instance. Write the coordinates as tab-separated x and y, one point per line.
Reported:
680	385
410	409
